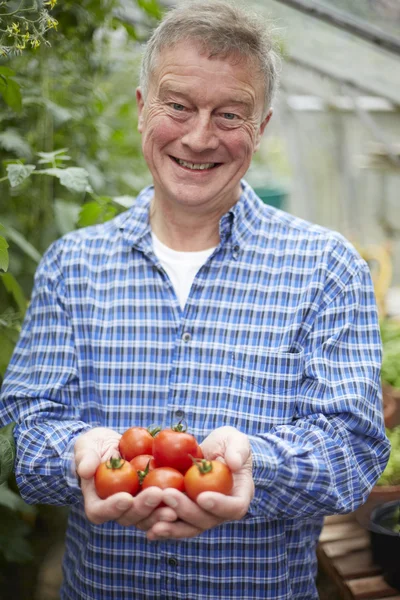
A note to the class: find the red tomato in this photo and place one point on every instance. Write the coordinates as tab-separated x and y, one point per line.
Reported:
141	462
208	476
116	475
135	441
199	452
164	477
174	448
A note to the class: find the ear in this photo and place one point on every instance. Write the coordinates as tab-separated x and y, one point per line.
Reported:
140	106
261	130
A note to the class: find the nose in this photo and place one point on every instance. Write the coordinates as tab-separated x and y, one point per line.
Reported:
201	135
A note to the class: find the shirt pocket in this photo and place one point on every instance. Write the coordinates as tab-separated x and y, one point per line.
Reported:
262	387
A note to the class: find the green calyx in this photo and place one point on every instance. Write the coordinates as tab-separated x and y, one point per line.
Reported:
204	466
181	427
153	430
115	463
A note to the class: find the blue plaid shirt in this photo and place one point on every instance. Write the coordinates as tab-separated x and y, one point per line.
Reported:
279	338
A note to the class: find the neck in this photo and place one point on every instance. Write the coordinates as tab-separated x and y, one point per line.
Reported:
186	229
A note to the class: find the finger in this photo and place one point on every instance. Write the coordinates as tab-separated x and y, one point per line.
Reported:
189	511
177	530
143	506
228	508
160	514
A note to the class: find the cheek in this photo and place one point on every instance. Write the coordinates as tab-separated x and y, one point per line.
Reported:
242	143
161	131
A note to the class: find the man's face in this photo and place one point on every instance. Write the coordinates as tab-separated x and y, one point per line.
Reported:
200	123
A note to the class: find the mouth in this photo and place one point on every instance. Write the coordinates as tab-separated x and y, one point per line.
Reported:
193	166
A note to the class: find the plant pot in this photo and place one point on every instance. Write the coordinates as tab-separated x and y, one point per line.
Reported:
378	496
391	405
385	541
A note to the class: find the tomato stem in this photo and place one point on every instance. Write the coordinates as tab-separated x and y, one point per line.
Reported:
142	474
204	466
181	426
153	430
115	463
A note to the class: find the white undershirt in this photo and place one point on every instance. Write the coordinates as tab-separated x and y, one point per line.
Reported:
181	267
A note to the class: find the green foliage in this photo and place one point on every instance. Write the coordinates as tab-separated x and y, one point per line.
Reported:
390	332
391	474
70	156
23	24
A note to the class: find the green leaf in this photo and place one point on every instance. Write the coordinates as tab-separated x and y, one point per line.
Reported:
90	214
151	7
7	348
3	254
18	239
12	141
56	156
75	179
11	93
12	286
17	173
7	72
7	452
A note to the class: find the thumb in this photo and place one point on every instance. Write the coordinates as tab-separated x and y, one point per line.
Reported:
238	451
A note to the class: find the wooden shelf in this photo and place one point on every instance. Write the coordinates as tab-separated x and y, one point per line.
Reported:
344	553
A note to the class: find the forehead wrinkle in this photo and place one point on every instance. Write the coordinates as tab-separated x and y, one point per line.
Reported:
169	83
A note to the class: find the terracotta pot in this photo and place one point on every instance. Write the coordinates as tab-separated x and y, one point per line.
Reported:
391	405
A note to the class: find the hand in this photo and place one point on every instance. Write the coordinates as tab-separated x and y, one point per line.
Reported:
96	446
211	508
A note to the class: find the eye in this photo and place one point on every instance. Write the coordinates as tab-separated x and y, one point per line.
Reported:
177	106
229	116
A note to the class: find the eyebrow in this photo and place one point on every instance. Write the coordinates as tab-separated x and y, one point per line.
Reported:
167	88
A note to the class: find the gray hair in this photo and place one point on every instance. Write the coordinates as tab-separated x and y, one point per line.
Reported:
222	30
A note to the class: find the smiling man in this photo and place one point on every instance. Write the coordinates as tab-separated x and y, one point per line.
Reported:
202	303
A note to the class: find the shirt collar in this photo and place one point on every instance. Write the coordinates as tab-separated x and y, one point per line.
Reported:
235	227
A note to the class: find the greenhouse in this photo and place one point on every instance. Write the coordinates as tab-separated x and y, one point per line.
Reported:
73	156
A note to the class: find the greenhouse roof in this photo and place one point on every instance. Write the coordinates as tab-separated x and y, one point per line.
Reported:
313	46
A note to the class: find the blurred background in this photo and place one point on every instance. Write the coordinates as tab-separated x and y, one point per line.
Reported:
70	157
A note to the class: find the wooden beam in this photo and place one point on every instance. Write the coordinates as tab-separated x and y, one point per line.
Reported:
334	76
349	23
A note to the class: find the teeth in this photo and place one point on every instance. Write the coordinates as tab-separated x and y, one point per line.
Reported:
195	166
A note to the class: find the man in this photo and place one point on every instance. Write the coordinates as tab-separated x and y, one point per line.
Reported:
257	327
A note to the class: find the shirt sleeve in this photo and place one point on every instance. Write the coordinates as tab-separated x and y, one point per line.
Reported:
40	393
329	458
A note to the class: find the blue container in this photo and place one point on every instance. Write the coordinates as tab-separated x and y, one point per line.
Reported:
272	195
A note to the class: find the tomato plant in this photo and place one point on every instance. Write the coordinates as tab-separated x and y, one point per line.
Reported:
208	476
137	440
116	475
174	447
164	477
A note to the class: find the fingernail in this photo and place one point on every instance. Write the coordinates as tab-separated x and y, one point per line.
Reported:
207	504
152	502
123	505
171	501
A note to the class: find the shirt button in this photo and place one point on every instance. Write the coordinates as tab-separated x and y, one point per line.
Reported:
172	562
180	414
186	337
